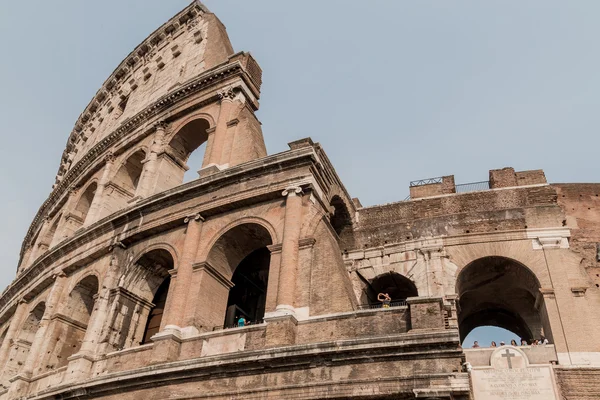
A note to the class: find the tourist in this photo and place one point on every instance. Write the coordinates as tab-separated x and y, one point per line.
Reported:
242	322
513	342
502	343
543	340
493	344
385	299
535	342
524	342
475	344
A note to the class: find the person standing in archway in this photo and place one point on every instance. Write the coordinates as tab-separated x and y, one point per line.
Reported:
385	299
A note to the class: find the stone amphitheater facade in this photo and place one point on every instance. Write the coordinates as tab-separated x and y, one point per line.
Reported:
130	283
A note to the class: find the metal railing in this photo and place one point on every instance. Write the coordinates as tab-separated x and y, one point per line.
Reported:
428	181
399	303
472	187
248	323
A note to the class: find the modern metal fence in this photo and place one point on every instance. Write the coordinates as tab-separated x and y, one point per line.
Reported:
399	303
472	187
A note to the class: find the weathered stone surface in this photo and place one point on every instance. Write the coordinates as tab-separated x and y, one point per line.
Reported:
261	278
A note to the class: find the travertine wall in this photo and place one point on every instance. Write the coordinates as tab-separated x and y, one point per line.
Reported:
126	273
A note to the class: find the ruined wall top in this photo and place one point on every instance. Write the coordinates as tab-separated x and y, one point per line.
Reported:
191	42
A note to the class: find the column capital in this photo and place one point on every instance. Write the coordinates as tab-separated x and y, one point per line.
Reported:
227	94
109	158
160	126
292	191
115	245
60	274
194	217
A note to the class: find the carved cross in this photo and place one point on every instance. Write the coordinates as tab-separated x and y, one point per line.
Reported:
508	356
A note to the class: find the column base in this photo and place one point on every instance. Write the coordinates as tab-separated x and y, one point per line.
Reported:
167	344
79	367
281	330
19	386
211	169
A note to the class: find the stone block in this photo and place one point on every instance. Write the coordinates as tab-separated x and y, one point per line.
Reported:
426	313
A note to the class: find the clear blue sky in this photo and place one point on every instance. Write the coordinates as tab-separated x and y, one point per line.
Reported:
394	90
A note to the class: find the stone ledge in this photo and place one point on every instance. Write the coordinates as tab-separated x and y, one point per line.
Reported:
404	346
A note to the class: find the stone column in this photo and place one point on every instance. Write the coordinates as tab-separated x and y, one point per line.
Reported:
148	178
282	323
289	250
39	345
218	144
177	311
80	364
12	333
95	208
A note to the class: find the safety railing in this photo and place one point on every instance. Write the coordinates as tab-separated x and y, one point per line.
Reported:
236	325
429	181
472	187
399	303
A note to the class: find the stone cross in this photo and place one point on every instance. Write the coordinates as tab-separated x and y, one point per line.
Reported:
508	356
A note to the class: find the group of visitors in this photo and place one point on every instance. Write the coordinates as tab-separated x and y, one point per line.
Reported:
533	342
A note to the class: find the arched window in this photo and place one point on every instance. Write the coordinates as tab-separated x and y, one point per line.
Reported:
128	176
341	222
398	287
72	321
140	300
157	311
78	216
241	255
500	292
188	146
22	345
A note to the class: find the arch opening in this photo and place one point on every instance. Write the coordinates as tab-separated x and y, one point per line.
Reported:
73	321
241	255
398	287
499	292
341	221
83	206
128	176
189	147
22	345
140	300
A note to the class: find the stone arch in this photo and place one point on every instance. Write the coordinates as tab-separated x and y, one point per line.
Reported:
342	222
49	236
72	321
22	345
138	300
397	286
189	137
129	173
82	207
241	255
499	291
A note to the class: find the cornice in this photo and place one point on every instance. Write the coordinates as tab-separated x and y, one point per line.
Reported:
196	85
263	166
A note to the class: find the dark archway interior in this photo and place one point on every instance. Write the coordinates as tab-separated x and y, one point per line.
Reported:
156	314
241	255
153	280
247	298
398	287
498	291
340	220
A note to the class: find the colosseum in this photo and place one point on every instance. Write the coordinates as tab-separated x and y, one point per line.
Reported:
264	279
